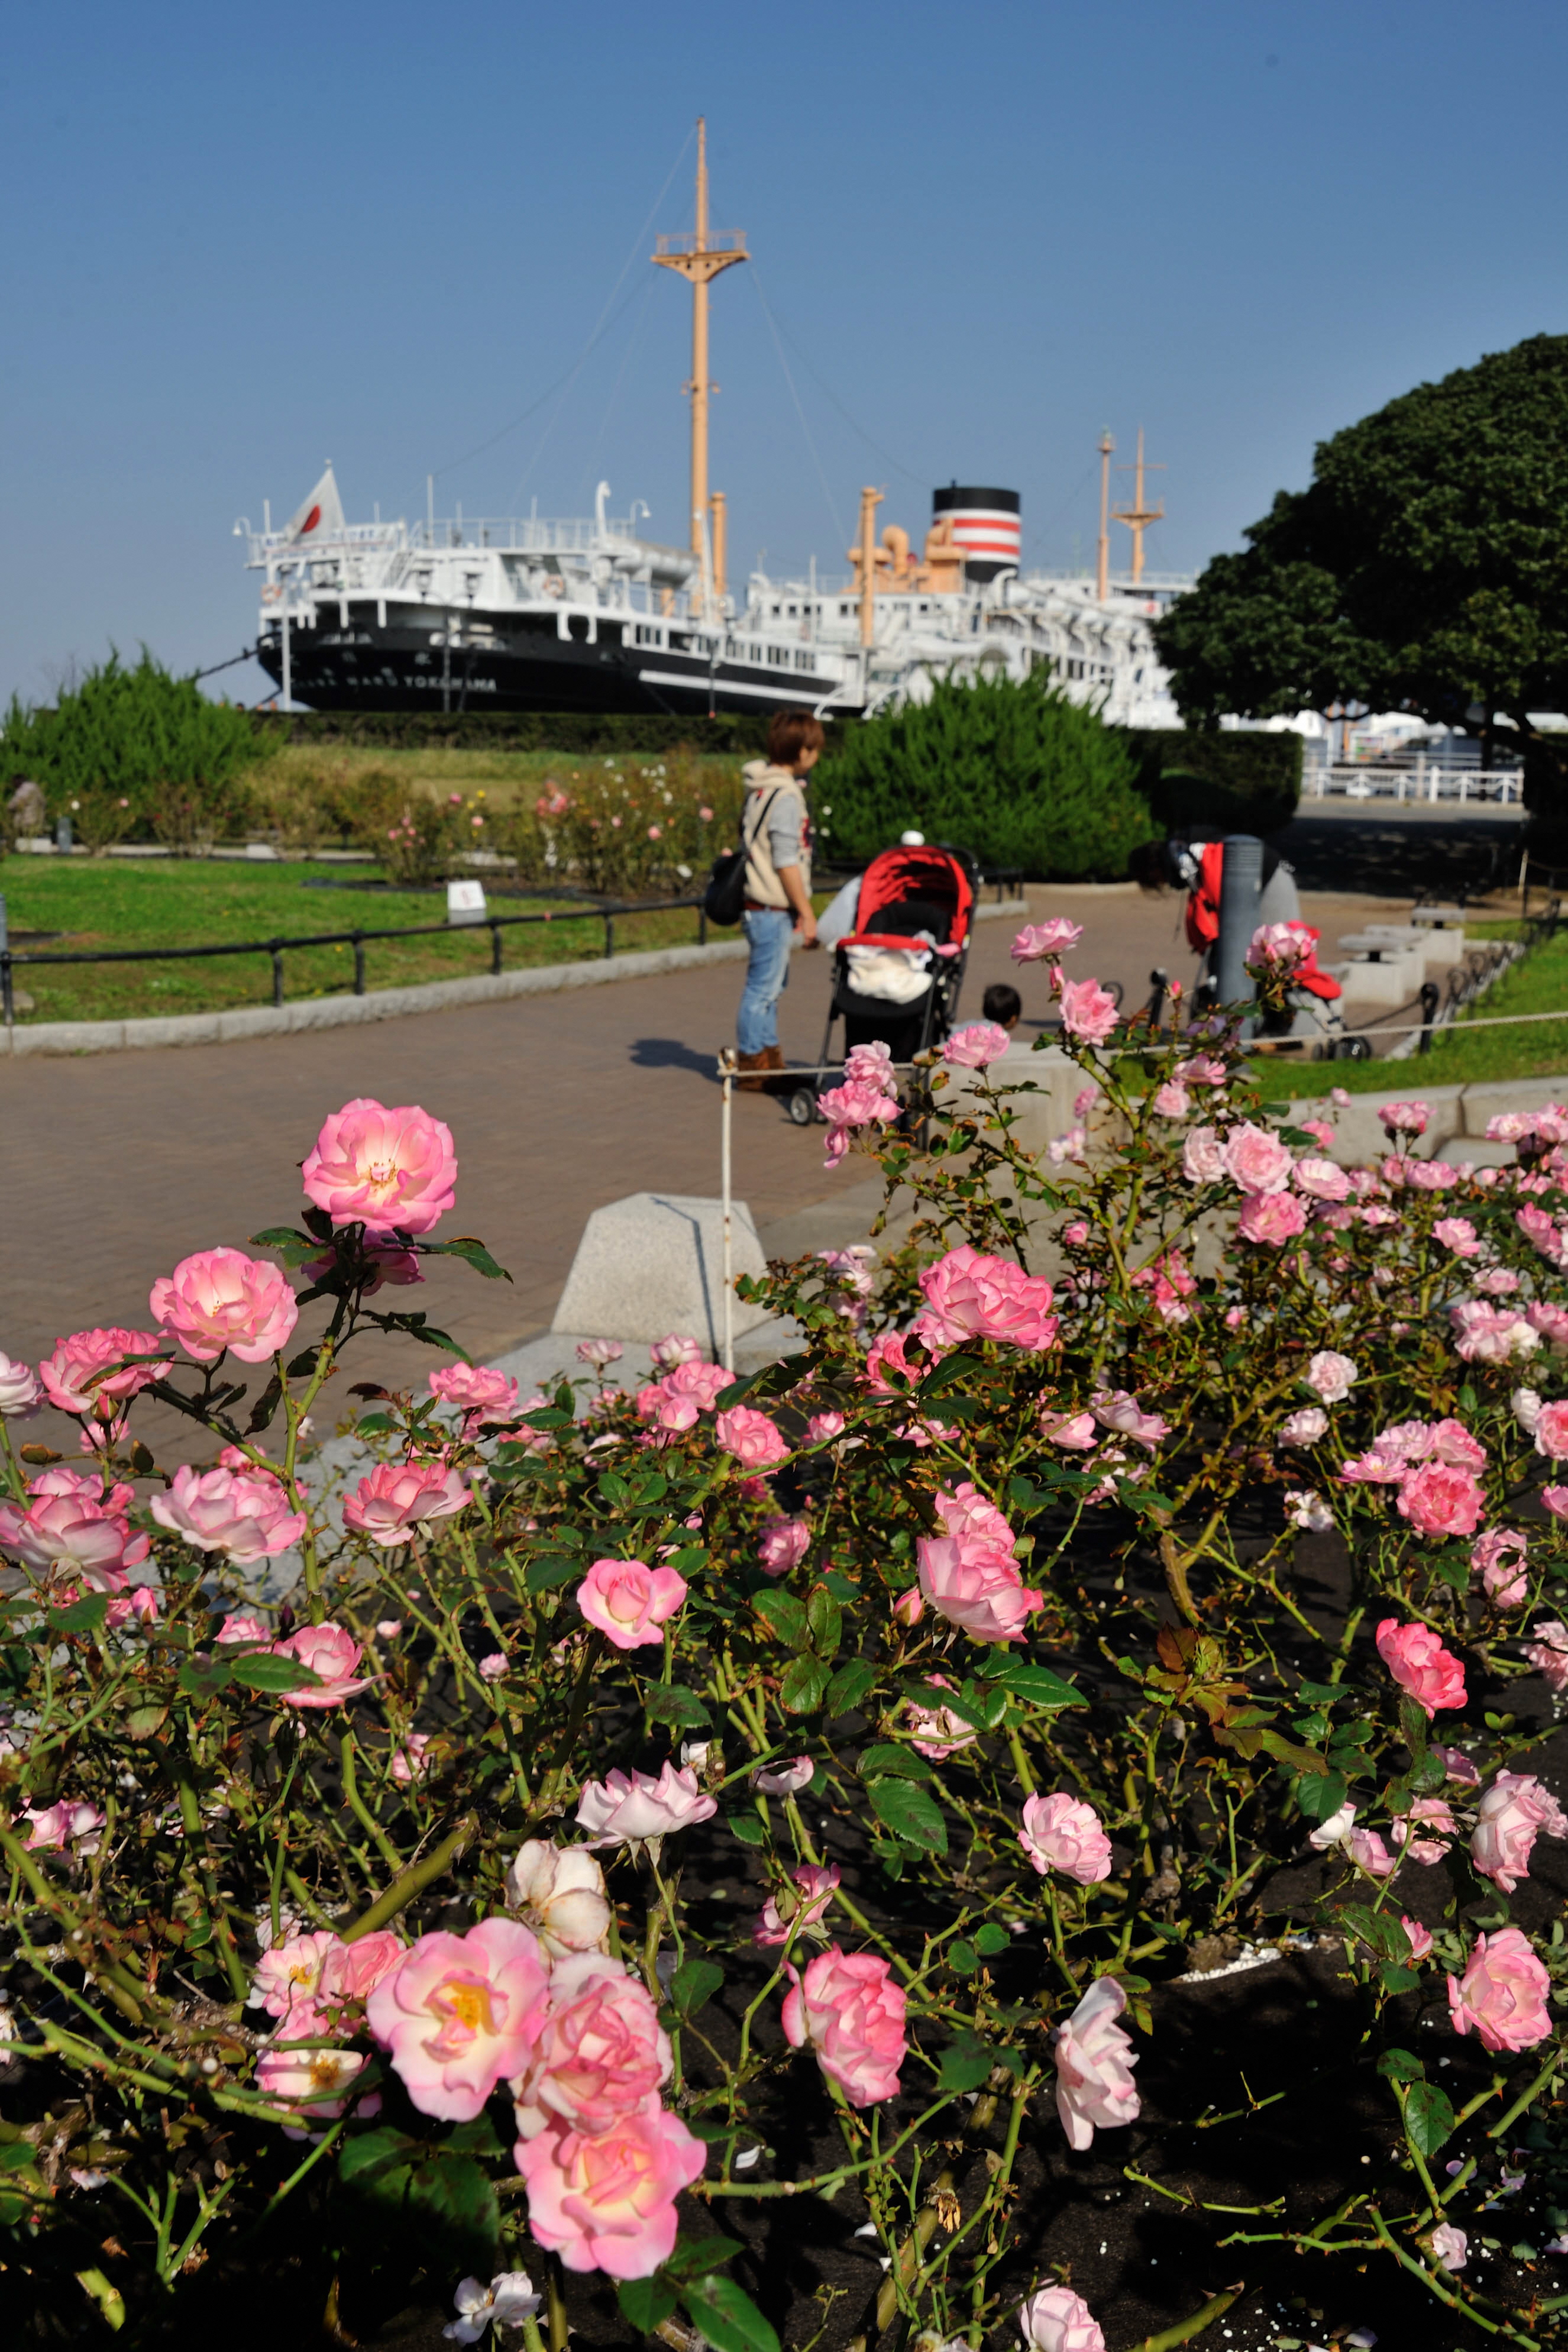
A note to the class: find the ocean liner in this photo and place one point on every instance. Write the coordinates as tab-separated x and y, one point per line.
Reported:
585	615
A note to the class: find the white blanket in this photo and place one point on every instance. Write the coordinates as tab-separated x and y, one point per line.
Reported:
894	975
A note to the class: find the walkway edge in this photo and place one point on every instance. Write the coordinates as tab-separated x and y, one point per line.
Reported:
379	1004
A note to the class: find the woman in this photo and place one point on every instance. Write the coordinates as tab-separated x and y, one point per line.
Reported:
776	836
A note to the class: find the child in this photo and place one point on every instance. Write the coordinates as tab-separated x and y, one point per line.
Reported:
1002	1004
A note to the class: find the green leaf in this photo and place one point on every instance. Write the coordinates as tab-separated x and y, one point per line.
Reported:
613	1487
1428	2117
670	1703
804	1686
378	2162
480	2138
418	1329
727	2317
783	1616
471	1252
1401	2066
545	1575
747	1827
991	1938
260	1671
292	1247
849	1687
695	2257
1394	1977
841	1587
372	1424
909	1813
1321	1794
549	1416
966	2062
203	1678
945	1375
963	1957
826	1620
734	1392
875	1762
84	1616
694	1985
265	1407
1035	1683
457	2194
646	2301
1324	1693
1383	1933
145	1722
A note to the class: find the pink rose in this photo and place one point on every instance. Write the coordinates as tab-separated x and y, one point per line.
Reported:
1499	1558
934	1732
1439	1501
1094	2086
21	1394
783	1544
608	2203
971	1296
1510	1815
1087	1011
870	1065
1549	1651
676	1347
352	1972
140	1607
63	1531
598	2052
1257	1161
52	1827
1172	1100
298	2073
1281	947
244	1626
1061	1833
1419	1938
495	1666
1421	1664
1331	1374
332	1655
560	1893
1451	1443
626	1807
219	1510
288	1981
1550	1321
384	1169
629	1601
1456	1234
1077	1431
1555	1500
456	2015
1320	1180
823	1427
1038	940
1272	1218
1502	1994
221	1299
776	1925
1369	1853
1458	1767
1405	1118
1452	2246
1305	1426
1429	1814
972	1048
1054	2319
399	1496
1552	1432
753	1439
975	1583
850	2009
69	1375
1203	1156
484	1396
1491	1335
411	1760
850	1106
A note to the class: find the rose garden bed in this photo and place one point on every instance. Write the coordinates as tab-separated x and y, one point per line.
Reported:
756	1863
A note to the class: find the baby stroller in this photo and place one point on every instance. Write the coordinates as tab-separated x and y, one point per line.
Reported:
897	975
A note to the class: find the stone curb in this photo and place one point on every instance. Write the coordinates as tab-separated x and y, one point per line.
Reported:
379	1004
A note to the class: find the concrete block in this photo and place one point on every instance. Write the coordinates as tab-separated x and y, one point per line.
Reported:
1042	1114
252	1021
1393	980
1484	1102
68	1038
173	1029
654	1262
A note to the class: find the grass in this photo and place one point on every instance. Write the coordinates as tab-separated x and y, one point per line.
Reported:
177	902
1464	1055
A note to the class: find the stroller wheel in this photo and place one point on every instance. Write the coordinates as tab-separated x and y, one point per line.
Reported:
803	1106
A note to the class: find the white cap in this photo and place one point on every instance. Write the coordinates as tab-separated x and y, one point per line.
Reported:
912	841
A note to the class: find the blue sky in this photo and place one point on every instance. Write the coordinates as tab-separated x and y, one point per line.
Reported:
241	241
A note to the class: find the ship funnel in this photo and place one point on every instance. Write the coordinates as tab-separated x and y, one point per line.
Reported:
986	527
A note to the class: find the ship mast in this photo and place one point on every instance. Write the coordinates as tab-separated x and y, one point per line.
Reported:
1138	517
699	260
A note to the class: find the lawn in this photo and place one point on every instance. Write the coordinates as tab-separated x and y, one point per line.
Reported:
186	902
1464	1055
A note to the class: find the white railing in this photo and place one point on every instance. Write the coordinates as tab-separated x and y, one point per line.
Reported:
1421	781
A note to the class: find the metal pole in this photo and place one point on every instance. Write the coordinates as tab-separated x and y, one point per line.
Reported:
288	670
1240	889
727	1073
7	1000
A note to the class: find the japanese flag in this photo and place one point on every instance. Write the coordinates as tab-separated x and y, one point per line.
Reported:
322	512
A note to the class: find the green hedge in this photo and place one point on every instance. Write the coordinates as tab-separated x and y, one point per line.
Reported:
1241	782
1015	772
573	733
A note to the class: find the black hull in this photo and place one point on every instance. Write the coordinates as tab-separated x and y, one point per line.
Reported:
372	668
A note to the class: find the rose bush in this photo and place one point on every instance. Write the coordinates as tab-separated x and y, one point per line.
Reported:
624	1783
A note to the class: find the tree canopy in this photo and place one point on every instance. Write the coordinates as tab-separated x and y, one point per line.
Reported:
1422	569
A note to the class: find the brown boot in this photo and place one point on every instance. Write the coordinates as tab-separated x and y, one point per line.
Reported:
774	1056
749	1062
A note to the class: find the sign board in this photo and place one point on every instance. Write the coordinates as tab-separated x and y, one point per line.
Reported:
465	902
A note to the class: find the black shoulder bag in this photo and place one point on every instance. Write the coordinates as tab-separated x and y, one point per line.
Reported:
724	900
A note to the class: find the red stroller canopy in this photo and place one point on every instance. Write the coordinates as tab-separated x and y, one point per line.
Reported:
926	883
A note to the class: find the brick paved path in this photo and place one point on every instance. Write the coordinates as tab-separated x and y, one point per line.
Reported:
114	1166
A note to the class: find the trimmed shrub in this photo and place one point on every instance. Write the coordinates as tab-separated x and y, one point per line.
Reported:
1016	774
574	734
1197	779
128	751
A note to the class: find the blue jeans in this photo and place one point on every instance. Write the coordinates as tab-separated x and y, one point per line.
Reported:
768	931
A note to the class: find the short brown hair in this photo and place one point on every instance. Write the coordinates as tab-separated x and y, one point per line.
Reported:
791	732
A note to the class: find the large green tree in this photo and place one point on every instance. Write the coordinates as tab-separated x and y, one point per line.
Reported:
1425	568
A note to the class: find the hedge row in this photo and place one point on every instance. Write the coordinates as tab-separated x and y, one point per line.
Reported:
574	734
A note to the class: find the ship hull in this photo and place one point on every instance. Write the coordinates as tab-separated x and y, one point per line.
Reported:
372	668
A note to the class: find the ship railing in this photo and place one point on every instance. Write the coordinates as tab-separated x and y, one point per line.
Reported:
722	240
1418	780
277	547
600	910
524	534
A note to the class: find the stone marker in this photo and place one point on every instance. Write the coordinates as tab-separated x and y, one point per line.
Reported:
653	1264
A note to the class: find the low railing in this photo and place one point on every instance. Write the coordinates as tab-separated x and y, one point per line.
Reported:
11	962
1419	782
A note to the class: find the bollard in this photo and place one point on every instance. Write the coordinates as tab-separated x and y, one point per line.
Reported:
1240	889
7	1000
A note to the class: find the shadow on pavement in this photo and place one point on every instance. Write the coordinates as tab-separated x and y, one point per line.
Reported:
1388	857
671	1054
